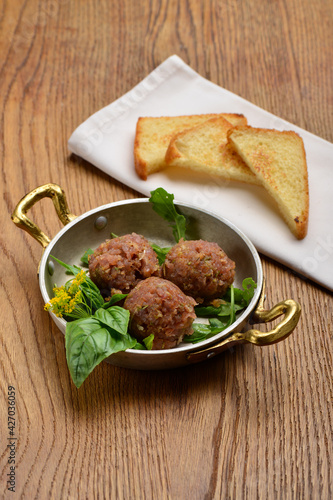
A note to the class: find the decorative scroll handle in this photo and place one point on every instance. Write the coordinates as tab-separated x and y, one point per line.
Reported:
282	330
58	197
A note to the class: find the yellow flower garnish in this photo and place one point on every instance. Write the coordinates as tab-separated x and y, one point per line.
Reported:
65	300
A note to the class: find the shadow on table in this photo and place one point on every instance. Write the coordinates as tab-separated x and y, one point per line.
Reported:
125	390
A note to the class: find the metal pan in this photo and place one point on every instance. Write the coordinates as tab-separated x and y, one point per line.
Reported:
122	217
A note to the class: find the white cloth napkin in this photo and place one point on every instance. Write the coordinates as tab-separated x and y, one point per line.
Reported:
106	140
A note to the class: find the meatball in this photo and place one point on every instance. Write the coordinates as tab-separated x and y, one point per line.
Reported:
200	268
118	265
159	307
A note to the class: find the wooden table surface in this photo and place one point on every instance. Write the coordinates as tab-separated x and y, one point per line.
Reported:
250	423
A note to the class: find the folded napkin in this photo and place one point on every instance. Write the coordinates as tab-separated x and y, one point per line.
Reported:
173	88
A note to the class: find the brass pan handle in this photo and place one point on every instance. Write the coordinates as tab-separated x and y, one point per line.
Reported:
282	330
58	197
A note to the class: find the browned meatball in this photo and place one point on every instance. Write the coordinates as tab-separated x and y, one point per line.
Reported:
118	265
200	268
159	307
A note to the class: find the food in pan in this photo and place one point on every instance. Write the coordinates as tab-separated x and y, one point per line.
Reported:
155	314
96	329
223	145
119	264
200	268
159	308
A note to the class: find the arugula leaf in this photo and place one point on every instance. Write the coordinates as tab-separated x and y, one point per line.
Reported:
163	205
201	332
241	299
243	295
204	331
249	285
218	324
90	340
161	252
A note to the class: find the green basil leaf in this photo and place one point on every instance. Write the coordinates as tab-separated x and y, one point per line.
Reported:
88	342
114	299
163	205
115	317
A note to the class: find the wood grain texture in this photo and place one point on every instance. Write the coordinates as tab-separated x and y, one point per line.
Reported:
251	423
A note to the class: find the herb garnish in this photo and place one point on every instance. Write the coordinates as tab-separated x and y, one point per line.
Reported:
90	340
78	298
223	315
160	252
162	202
95	329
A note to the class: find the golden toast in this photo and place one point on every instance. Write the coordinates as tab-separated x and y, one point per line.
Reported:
205	148
278	159
153	135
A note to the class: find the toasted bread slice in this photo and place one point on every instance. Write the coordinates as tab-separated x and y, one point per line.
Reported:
278	159
205	148
153	135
